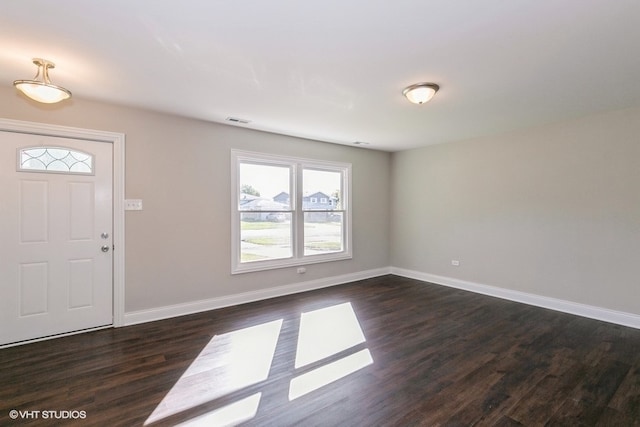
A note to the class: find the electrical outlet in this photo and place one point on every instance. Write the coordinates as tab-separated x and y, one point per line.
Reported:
455	262
301	270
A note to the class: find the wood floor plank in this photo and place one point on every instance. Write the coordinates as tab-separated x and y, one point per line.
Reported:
589	399
546	397
624	406
439	357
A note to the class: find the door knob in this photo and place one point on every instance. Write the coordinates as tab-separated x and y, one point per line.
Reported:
105	248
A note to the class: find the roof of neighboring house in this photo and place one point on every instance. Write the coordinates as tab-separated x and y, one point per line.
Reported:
244	198
260	204
280	195
317	194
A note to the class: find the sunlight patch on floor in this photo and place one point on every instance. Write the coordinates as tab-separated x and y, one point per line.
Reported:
329	373
323	333
230	415
326	332
236	360
229	362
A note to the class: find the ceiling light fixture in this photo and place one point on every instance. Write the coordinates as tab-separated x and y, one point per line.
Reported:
420	93
42	90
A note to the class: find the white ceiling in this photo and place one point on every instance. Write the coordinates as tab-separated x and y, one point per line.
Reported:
334	70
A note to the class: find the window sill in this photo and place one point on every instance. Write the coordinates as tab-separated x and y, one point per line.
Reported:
285	263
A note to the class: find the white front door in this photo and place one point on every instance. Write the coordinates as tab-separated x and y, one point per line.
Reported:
56	227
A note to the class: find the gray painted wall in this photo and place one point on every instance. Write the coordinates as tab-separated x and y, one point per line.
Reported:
552	211
178	247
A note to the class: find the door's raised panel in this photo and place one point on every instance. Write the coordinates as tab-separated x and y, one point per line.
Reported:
34	288
34	211
81	283
81	210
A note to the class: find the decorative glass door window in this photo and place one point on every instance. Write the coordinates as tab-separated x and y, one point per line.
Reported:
55	160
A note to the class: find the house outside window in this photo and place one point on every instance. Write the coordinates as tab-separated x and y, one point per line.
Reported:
288	211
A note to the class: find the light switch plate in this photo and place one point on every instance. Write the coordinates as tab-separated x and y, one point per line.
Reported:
133	205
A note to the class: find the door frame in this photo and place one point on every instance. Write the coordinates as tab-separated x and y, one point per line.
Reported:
118	141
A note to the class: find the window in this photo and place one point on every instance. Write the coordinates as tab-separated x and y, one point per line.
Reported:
277	220
55	159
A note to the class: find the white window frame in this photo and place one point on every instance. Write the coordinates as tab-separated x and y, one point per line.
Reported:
297	165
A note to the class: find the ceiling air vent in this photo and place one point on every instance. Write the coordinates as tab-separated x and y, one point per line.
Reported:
237	120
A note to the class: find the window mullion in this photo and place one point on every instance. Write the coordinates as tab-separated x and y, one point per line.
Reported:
299	213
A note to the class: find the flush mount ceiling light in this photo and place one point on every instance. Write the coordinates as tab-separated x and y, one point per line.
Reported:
420	93
42	90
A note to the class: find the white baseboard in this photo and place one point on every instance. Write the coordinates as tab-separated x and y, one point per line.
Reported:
592	312
176	310
584	310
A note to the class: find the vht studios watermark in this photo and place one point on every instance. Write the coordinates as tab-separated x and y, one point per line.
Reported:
15	414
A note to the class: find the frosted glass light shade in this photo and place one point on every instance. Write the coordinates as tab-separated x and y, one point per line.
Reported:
42	90
420	93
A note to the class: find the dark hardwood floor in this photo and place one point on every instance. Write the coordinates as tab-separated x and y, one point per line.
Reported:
430	356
